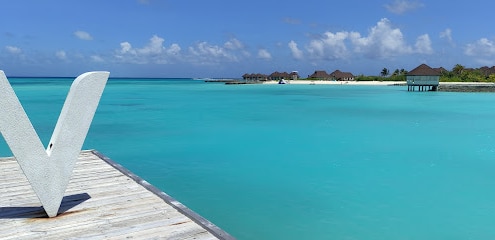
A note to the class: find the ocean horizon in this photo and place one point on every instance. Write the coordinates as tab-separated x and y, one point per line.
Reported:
297	161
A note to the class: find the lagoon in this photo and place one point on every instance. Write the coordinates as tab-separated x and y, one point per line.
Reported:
298	161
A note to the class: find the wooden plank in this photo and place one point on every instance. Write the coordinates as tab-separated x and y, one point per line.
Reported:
103	200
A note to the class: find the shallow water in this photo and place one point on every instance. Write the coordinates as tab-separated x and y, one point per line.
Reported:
299	161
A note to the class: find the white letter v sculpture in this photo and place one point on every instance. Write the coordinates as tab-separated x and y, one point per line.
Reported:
49	170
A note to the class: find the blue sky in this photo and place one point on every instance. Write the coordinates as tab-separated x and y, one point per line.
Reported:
196	38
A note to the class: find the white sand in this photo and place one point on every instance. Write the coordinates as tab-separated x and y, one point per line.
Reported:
374	83
319	82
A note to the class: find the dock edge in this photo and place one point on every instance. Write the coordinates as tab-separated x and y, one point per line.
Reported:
203	222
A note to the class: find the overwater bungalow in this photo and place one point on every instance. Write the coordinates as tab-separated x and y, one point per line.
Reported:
424	77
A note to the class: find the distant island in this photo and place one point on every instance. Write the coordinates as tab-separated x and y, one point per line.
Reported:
458	73
425	78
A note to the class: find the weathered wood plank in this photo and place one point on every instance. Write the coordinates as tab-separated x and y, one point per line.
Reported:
103	200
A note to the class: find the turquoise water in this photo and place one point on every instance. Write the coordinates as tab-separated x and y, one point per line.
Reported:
299	161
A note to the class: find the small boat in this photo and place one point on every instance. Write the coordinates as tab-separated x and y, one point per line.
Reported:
282	81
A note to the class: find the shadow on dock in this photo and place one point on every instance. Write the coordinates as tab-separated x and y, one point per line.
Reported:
68	202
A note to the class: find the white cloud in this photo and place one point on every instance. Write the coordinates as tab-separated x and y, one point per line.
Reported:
402	6
13	50
447	34
233	44
96	58
482	51
206	49
153	52
83	35
481	48
206	53
61	55
125	47
155	46
264	54
383	41
296	52
423	44
174	49
200	53
329	46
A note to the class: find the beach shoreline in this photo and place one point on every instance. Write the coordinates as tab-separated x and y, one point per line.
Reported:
443	86
323	82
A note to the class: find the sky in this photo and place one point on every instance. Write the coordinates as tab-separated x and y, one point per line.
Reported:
220	38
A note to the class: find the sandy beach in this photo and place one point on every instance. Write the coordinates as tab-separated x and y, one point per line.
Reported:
320	82
443	87
381	83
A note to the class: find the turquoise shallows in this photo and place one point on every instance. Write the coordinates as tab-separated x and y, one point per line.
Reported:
299	161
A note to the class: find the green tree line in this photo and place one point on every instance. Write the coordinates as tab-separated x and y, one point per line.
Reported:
385	75
458	74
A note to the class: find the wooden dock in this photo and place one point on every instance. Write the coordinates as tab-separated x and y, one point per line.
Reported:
103	201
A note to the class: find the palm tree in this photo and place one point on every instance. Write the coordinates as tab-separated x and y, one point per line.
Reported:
458	69
396	72
384	72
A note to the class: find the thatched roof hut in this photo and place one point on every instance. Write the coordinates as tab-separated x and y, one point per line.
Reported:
342	76
320	75
423	76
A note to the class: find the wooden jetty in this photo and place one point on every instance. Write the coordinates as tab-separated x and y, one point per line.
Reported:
103	201
242	82
221	80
